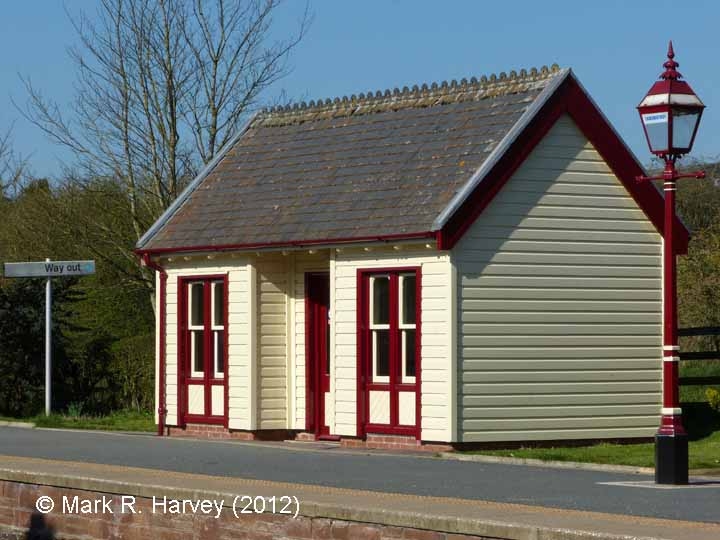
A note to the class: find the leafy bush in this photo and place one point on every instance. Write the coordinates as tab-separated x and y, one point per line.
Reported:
713	397
22	351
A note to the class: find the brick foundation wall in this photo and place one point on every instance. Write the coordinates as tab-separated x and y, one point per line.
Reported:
209	431
396	442
384	442
17	507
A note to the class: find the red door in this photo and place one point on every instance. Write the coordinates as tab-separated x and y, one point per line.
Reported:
317	351
202	352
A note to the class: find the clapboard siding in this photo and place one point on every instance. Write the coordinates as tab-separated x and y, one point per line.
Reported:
436	377
559	304
272	339
237	328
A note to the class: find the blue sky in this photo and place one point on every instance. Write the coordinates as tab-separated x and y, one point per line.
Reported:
616	48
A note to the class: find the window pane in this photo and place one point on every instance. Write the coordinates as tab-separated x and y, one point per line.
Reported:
683	127
408	299
656	125
198	350
382	352
381	300
196	304
409	337
219	308
219	351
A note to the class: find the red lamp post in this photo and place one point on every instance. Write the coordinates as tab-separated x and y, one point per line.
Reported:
670	114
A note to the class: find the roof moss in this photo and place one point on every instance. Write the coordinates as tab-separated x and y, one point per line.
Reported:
415	97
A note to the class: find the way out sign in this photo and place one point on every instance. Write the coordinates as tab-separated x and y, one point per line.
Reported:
49	269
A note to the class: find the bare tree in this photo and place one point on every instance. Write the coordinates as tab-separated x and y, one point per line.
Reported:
12	165
161	86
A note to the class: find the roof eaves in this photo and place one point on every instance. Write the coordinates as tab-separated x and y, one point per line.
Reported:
185	195
506	142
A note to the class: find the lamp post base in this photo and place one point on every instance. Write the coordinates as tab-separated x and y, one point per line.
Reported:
671	459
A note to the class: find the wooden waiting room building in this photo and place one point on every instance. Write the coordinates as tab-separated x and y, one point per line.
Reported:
465	262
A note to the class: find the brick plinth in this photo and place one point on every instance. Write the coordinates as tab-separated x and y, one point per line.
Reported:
200	431
395	442
376	441
206	431
17	506
383	442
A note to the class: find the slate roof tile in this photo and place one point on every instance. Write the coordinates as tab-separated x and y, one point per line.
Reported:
361	166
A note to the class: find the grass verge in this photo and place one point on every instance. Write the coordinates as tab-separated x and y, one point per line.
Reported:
703	425
116	421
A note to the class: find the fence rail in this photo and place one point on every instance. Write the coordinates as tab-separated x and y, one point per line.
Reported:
700	355
700	331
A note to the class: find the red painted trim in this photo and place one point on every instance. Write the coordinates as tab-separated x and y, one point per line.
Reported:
361	346
385	430
364	365
571	99
418	355
208	346
181	348
309	410
292	244
316	320
401	387
226	347
200	419
161	306
395	348
208	379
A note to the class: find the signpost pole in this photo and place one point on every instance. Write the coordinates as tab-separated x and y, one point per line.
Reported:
48	343
47	270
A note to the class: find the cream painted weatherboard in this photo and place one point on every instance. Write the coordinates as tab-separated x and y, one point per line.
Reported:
559	304
238	331
272	380
436	351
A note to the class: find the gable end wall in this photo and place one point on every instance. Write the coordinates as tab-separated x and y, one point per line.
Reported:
559	304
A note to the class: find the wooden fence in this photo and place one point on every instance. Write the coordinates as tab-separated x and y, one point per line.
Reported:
704	355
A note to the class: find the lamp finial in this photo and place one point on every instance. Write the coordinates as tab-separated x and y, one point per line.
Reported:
670	66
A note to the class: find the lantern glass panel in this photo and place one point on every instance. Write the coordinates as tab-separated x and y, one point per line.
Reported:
684	122
656	127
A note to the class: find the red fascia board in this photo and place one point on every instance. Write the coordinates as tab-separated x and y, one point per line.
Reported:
569	98
293	244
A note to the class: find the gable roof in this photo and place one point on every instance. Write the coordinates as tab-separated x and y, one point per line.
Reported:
416	163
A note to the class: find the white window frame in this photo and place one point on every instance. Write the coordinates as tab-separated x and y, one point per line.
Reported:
383	379
192	329
402	327
214	328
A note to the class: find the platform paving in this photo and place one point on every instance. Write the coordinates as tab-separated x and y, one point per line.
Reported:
399	487
443	514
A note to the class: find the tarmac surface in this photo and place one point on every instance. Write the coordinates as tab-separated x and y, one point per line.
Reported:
319	464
